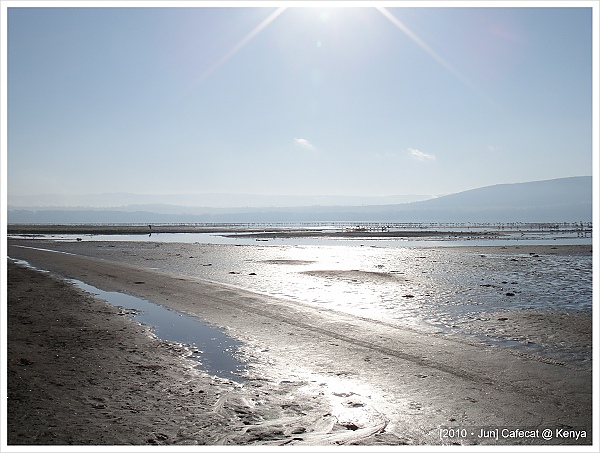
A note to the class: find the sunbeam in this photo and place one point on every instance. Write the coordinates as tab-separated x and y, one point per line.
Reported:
394	20
249	37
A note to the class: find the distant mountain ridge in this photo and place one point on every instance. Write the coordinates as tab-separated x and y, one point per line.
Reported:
556	200
555	192
197	201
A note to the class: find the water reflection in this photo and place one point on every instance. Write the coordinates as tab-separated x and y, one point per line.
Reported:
241	239
210	346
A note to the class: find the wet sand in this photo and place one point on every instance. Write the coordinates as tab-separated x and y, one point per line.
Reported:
316	376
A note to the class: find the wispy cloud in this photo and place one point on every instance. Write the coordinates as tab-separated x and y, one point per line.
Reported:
302	142
420	155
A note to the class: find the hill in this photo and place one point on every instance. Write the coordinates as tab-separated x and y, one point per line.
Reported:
565	199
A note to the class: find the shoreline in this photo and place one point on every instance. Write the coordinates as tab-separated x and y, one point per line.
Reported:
81	373
329	230
406	383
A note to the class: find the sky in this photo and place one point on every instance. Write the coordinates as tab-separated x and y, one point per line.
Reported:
355	101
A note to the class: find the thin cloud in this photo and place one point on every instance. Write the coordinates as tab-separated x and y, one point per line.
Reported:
305	144
420	155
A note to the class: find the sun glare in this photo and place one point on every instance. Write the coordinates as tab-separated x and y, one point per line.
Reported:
432	53
240	45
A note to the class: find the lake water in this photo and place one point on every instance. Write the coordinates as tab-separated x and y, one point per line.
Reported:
516	238
420	286
402	284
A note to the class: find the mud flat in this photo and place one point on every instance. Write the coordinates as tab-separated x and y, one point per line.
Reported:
561	335
80	372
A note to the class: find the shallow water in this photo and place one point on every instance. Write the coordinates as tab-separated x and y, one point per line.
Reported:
401	284
209	345
530	238
432	288
215	352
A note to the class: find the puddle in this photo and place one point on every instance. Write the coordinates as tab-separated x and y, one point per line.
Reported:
209	345
214	351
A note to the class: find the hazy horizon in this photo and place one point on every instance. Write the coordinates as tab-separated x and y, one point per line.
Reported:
375	101
210	200
214	200
556	200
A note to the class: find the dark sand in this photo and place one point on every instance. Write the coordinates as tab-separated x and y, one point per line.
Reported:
80	372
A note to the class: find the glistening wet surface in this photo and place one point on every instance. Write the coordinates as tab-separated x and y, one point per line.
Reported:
395	284
449	290
215	352
209	345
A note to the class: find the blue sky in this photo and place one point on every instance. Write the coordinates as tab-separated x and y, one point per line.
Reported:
296	101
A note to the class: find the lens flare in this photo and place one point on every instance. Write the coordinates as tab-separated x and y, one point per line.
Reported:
394	20
240	45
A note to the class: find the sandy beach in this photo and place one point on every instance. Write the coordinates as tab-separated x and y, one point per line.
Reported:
81	372
309	226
